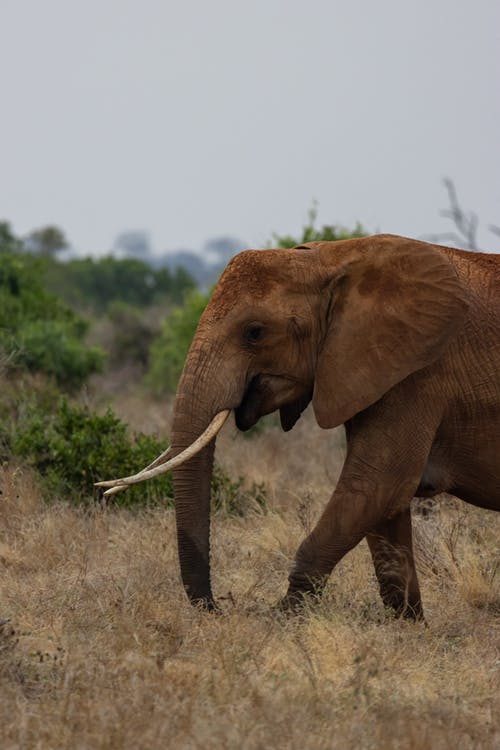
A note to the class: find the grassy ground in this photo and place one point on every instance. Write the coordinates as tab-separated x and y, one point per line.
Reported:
103	651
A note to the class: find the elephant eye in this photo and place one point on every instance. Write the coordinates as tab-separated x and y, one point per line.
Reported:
254	333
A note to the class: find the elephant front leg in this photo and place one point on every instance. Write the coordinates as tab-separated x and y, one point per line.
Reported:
392	553
343	524
383	467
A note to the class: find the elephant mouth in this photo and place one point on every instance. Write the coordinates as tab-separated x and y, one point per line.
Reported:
244	420
265	394
248	413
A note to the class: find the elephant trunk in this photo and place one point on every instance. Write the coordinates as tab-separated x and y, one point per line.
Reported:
200	396
192	508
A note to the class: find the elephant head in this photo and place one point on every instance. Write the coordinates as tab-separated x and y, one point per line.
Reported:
338	323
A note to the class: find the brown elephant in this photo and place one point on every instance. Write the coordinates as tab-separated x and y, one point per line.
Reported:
399	340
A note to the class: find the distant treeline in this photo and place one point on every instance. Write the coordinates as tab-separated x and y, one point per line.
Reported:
94	284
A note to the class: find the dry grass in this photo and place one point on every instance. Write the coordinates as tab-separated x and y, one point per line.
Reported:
103	651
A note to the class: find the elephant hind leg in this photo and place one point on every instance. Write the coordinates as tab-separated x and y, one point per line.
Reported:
391	547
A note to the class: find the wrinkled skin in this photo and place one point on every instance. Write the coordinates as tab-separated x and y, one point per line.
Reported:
397	339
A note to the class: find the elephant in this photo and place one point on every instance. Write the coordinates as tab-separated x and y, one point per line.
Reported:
394	338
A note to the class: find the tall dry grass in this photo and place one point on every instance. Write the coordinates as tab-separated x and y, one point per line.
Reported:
102	650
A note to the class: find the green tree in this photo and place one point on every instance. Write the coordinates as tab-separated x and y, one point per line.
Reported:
9	243
312	233
47	241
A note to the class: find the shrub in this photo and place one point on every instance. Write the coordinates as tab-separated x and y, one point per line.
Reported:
38	332
73	447
169	350
130	335
22	295
55	347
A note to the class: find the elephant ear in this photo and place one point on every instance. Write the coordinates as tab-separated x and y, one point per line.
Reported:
395	305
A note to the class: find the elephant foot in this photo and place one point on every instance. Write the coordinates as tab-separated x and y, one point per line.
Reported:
294	604
407	608
206	604
297	600
406	611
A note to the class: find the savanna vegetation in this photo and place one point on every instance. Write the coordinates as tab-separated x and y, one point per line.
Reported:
98	645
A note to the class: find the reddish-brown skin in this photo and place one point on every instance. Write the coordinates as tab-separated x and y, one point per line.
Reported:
397	339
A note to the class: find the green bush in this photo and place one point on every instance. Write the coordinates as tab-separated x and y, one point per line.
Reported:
73	447
38	332
55	347
130	335
22	296
169	350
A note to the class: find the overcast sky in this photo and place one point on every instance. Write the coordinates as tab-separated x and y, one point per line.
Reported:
197	119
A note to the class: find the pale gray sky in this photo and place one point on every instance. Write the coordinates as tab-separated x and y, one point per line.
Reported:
195	119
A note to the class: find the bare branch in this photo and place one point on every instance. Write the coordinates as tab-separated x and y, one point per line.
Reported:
465	222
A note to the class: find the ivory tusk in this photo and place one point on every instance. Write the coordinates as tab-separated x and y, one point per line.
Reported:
157	462
118	485
160	460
